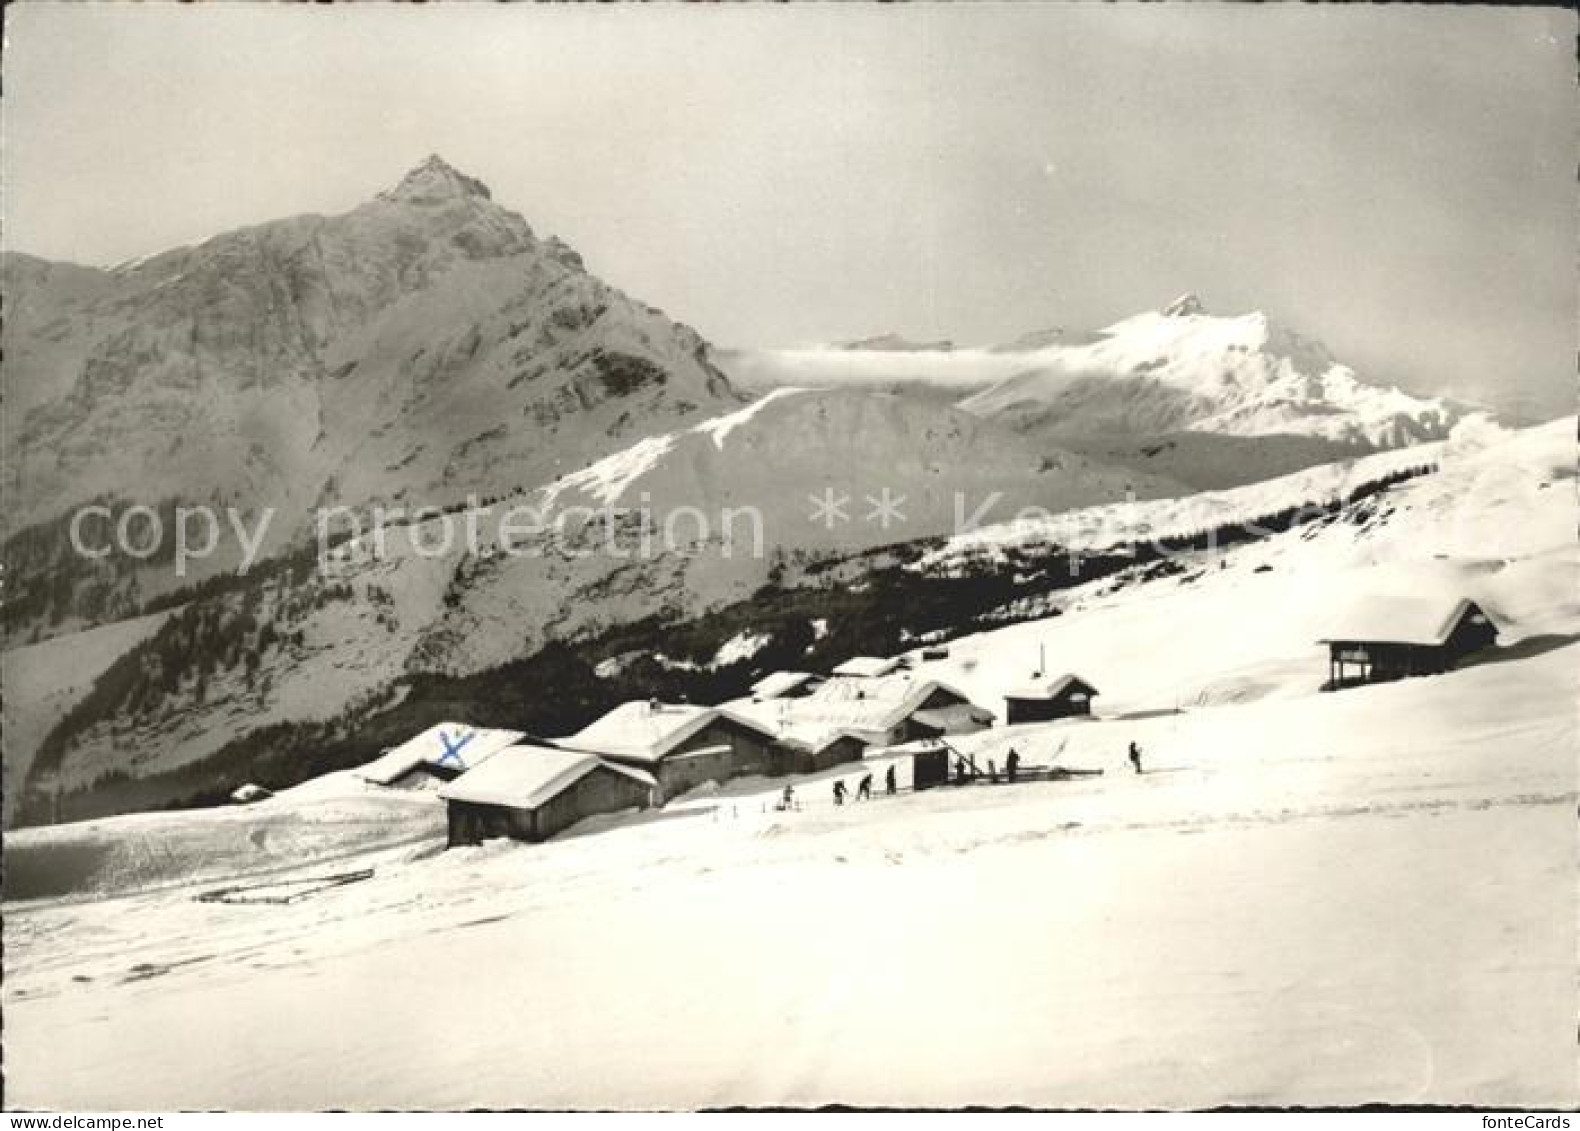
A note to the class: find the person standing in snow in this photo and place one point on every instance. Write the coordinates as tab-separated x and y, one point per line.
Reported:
789	798
960	771
839	792
1135	757
864	790
891	785
1012	765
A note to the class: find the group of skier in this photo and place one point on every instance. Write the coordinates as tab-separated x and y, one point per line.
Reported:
891	786
962	772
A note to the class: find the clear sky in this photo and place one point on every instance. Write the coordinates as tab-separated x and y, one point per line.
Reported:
1398	181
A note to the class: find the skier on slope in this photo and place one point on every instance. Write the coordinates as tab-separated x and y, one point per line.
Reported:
839	792
1012	765
864	789
1135	757
891	785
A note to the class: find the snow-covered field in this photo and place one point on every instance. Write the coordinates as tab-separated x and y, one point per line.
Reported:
1299	903
1307	899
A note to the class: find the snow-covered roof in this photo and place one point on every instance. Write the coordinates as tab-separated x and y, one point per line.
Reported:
448	745
641	728
816	737
775	684
647	731
1401	620
1048	687
863	704
526	776
954	716
869	667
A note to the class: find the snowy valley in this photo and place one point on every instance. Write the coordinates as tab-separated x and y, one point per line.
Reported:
1113	939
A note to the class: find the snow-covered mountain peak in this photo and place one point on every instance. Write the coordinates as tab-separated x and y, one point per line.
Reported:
1182	369
435	181
424	345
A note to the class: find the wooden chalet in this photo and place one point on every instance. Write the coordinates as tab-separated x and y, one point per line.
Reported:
532	792
439	754
681	745
1385	638
1045	699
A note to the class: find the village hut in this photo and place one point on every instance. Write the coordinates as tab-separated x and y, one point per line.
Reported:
811	750
532	792
681	745
439	754
1383	638
1045	699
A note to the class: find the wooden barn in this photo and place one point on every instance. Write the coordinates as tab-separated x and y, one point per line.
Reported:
810	752
439	754
1385	638
532	792
1045	699
681	745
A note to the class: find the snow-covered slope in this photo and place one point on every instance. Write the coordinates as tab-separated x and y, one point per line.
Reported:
1182	369
1208	461
1308	899
327	819
783	452
688	520
1495	523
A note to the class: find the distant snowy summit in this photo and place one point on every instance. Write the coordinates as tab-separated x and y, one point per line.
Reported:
1182	369
1179	369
